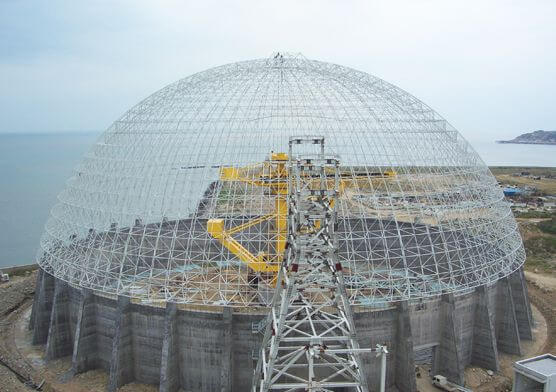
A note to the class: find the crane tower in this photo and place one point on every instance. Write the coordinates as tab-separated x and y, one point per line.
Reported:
309	342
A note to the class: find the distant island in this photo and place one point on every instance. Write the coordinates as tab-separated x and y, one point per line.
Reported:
537	137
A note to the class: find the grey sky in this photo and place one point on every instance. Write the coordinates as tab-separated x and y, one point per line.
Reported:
488	66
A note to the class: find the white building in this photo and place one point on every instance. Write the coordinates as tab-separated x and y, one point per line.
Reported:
535	374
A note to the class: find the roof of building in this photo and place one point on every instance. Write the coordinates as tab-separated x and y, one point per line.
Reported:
542	366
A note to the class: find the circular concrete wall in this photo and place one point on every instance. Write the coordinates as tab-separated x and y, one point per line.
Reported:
214	348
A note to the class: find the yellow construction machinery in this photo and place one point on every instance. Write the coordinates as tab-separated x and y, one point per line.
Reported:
273	175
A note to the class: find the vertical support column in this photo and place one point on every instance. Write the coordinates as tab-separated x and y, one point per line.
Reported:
40	273
484	350
43	305
121	362
84	347
522	305
447	361
169	364
404	356
383	371
59	343
227	343
507	333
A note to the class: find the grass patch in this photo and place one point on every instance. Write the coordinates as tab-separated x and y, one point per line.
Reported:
538	263
548	226
541	246
535	214
541	252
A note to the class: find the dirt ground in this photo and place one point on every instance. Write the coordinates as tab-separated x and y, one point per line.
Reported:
542	294
21	362
546	185
15	296
478	379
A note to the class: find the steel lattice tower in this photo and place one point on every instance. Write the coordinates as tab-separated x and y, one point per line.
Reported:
309	341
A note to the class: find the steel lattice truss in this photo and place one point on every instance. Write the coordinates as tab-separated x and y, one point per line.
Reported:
309	343
419	213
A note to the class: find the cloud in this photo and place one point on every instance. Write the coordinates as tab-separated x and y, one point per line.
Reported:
485	66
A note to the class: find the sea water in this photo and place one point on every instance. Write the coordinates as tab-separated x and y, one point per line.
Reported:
495	154
35	167
33	170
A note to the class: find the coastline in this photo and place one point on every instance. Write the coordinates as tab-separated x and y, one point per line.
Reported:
528	142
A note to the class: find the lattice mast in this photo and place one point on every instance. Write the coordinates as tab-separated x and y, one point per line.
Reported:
309	342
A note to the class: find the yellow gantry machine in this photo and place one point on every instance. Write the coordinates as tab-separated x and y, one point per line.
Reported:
273	175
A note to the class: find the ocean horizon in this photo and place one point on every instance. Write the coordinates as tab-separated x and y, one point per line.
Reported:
34	168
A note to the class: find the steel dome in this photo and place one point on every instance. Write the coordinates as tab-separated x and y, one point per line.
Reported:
419	214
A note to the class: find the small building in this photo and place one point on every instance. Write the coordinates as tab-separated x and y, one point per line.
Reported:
511	191
535	374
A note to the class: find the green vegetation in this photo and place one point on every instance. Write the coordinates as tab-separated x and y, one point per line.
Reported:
540	241
548	226
541	246
535	214
541	251
539	263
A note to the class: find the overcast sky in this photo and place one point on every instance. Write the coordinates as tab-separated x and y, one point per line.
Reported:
487	66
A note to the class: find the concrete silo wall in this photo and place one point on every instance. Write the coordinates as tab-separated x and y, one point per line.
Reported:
195	350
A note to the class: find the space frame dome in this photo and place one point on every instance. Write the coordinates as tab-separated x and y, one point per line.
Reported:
169	204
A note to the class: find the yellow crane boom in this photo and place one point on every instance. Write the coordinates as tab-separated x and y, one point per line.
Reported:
258	263
272	174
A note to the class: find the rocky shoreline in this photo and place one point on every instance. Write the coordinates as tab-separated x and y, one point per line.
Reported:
520	142
537	137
